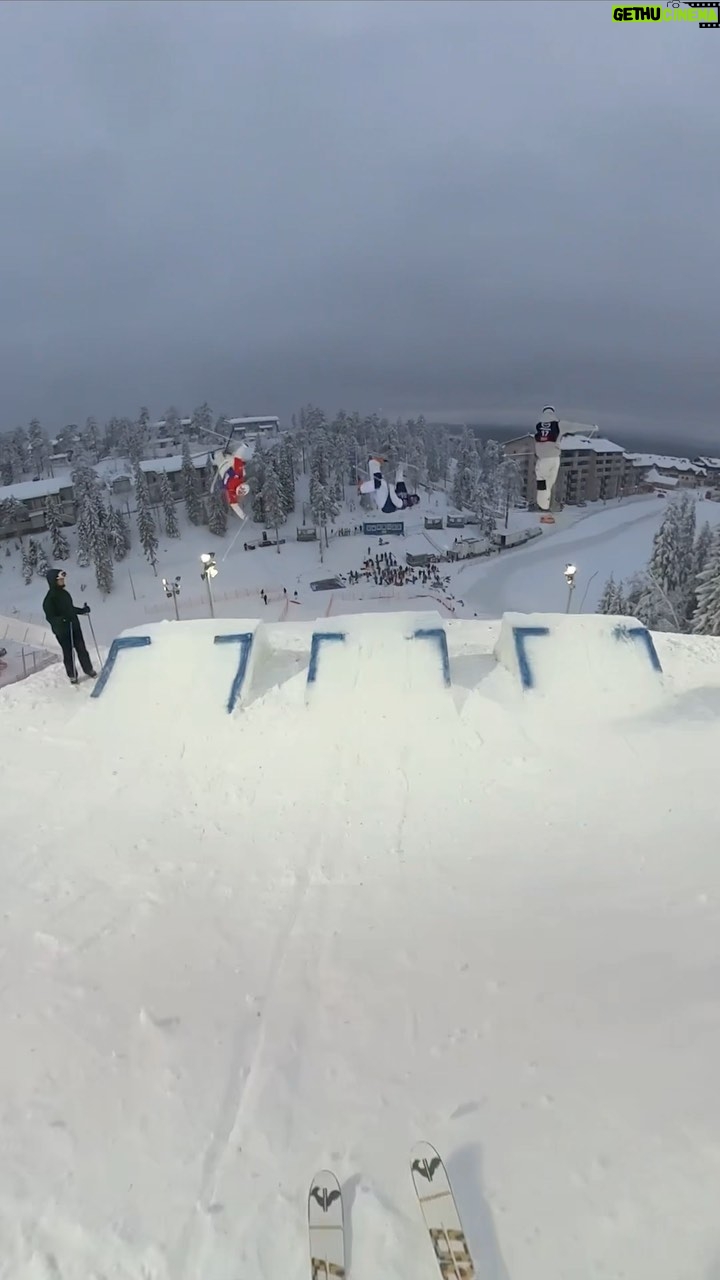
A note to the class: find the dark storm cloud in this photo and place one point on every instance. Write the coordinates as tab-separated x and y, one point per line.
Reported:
463	208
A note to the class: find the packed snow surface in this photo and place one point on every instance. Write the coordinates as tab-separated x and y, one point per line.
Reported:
390	895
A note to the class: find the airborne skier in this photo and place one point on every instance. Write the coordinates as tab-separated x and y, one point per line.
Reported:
389	497
549	432
231	474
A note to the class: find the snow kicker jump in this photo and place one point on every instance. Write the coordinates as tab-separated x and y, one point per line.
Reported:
599	662
390	667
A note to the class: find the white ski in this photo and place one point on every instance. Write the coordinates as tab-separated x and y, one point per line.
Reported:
437	1204
326	1228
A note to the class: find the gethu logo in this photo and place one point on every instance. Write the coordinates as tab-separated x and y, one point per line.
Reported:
693	11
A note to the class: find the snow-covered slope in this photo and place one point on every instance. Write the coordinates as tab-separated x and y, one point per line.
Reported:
403	899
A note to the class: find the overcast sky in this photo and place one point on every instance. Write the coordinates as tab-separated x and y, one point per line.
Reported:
469	209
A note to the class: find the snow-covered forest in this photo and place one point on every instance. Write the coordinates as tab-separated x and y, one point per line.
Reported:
679	590
331	453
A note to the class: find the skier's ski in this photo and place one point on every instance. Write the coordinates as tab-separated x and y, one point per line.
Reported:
437	1204
326	1228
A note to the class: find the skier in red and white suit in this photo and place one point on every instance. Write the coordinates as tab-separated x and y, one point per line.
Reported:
231	473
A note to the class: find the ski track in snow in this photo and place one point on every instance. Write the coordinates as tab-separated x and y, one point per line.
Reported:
335	923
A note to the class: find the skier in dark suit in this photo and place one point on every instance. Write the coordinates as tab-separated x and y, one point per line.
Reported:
62	615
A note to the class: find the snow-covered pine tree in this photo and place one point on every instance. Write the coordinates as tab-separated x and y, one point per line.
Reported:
286	476
134	442
612	600
217	514
272	500
706	620
417	459
167	500
100	553
686	519
202	420
39	447
320	454
322	504
442	458
112	438
465	477
14	515
664	565
7	465
90	439
145	520
53	520
28	568
118	532
701	550
508	480
482	505
173	422
191	487
32	553
42	565
83	540
313	419
93	544
337	467
670	568
652	606
21	451
256	473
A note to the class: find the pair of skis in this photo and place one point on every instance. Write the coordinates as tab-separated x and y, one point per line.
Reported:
326	1223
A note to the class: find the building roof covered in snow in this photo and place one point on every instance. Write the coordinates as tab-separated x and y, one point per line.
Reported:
663	463
174	462
708	464
262	424
597	444
662	482
27	489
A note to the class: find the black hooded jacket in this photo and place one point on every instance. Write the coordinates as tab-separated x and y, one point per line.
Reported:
58	605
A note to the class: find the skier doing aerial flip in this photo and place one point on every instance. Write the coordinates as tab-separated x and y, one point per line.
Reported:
389	497
549	433
231	474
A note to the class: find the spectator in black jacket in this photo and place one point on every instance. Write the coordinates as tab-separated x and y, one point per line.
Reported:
62	616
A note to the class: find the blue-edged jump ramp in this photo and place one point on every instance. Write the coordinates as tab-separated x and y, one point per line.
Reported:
594	660
191	667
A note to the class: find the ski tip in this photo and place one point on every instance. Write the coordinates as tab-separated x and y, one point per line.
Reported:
324	1178
422	1149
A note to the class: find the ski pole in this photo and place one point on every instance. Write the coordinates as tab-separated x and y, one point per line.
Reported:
92	632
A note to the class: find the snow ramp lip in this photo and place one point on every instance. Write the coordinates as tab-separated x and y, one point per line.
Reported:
188	666
609	663
201	666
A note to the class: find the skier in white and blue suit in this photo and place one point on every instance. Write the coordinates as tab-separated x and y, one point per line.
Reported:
389	497
549	432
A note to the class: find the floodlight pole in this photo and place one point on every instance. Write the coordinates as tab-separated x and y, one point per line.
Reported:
173	589
570	572
208	571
